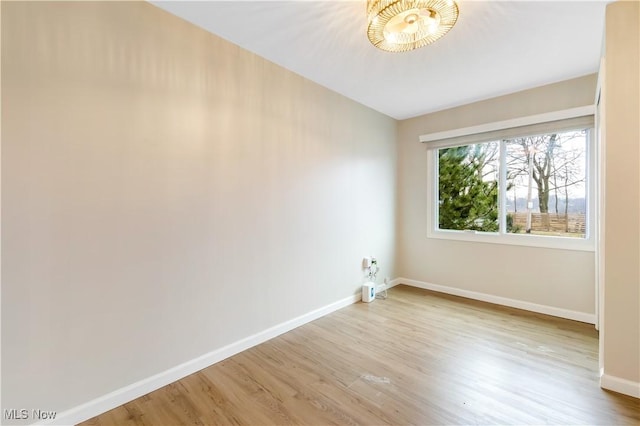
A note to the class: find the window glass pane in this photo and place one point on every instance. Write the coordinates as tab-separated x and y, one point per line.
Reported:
468	187
546	184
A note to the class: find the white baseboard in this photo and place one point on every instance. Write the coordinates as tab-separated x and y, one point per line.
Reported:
619	385
527	306
128	393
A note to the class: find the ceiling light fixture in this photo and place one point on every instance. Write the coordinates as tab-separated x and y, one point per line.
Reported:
402	25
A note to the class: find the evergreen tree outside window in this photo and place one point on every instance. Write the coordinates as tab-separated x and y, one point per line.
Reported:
468	187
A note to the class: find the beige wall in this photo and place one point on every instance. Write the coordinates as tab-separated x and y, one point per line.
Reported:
557	278
166	193
621	89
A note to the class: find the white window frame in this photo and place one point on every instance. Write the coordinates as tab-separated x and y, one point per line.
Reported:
436	141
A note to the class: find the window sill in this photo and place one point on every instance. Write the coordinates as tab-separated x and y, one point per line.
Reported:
538	241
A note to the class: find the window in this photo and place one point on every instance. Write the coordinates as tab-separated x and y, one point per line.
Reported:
528	188
546	184
468	187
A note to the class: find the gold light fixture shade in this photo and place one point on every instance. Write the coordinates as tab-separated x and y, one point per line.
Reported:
402	25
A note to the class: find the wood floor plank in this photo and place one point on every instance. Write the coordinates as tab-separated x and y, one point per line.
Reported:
417	357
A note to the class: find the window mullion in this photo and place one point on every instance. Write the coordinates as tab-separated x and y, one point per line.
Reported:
502	188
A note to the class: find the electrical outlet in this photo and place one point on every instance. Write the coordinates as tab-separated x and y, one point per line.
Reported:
386	280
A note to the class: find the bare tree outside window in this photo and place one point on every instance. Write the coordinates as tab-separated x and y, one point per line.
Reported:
546	177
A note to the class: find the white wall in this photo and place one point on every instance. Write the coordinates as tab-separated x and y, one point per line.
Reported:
166	193
620	338
560	279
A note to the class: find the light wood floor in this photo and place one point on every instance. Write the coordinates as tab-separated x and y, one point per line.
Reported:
416	358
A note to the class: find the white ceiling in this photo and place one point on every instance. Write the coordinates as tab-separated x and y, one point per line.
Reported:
497	47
